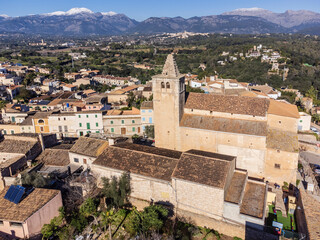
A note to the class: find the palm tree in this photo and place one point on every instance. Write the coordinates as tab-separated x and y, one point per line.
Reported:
107	218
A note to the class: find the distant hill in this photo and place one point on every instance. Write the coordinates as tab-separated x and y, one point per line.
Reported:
83	21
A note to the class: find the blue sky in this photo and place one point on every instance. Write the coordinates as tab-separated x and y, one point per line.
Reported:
142	9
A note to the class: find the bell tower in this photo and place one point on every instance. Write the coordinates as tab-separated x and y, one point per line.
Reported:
168	104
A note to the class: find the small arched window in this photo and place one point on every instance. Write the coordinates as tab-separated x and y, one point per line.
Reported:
168	85
162	85
40	121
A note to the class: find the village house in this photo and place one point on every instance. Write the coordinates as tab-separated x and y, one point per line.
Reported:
62	124
15	151
40	122
226	198
85	151
26	218
304	122
146	111
271	92
72	76
8	79
122	122
261	133
14	113
89	122
69	87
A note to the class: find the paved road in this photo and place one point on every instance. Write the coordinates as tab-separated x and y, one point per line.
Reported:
311	157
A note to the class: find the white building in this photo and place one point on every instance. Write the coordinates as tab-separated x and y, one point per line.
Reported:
304	121
88	122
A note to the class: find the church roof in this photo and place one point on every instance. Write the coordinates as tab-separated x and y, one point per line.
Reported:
228	104
202	169
170	68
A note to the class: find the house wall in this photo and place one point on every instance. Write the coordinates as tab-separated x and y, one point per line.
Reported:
115	98
144	188
33	224
147	117
282	123
27	129
44	215
41	127
232	213
288	164
63	121
81	158
93	118
198	198
131	123
10	129
304	122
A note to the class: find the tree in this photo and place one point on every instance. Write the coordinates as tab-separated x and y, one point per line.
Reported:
33	179
149	131
312	93
107	218
29	78
116	191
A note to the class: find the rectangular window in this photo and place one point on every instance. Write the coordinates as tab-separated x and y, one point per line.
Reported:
143	111
111	122
60	128
66	128
97	131
81	134
150	111
133	129
76	160
58	119
88	125
112	130
150	119
143	119
41	129
87	116
122	121
133	121
97	125
22	128
79	116
4	131
276	165
12	131
96	116
15	224
1	223
80	124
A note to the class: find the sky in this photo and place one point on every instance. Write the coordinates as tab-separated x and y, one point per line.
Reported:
142	9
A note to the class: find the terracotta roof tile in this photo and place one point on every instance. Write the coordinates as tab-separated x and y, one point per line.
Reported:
204	170
229	104
236	186
20	212
253	200
283	109
89	146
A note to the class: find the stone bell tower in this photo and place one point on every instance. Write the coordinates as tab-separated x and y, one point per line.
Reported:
168	104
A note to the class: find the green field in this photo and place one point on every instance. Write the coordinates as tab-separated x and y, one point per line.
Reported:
279	218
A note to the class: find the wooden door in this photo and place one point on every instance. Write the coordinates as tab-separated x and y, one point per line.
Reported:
123	131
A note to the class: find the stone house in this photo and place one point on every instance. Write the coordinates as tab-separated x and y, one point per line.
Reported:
41	122
174	178
126	122
86	150
25	219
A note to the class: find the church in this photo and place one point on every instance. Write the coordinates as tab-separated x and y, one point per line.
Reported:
261	133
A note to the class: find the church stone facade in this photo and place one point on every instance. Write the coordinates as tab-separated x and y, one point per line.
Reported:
261	133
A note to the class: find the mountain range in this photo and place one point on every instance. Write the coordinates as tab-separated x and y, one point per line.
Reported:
83	21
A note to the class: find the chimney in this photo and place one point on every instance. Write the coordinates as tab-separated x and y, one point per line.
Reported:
41	141
111	141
